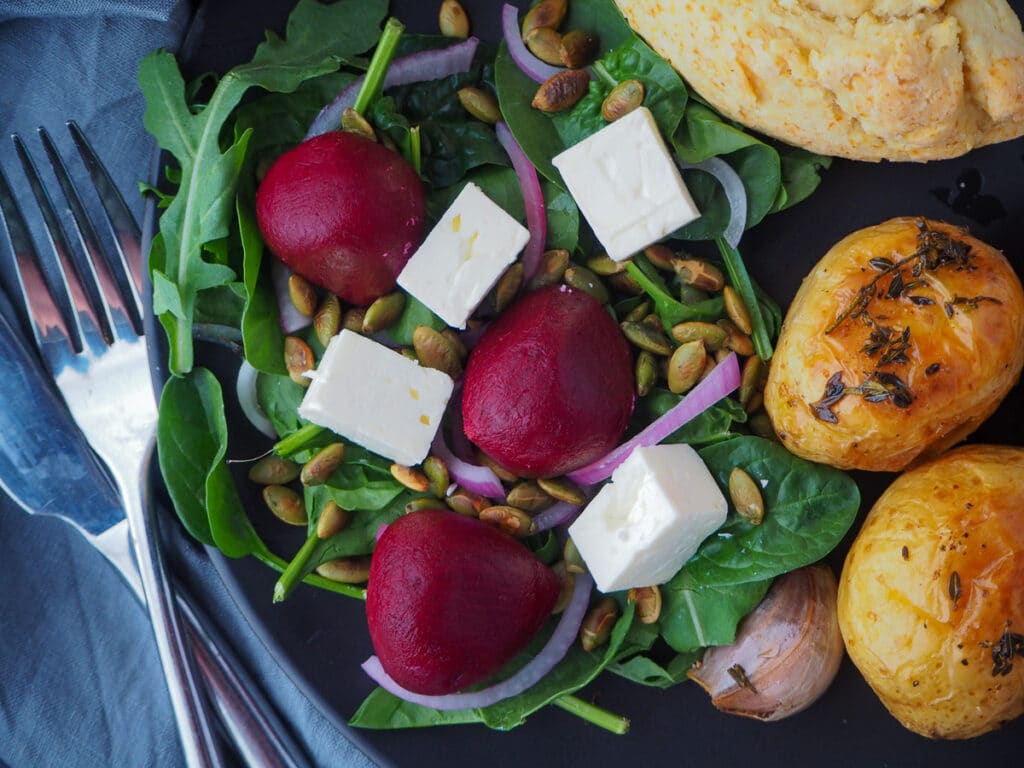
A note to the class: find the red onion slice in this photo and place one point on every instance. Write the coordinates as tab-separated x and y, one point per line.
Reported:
533	198
735	193
289	318
561	513
245	388
472	477
722	380
554	651
414	68
532	67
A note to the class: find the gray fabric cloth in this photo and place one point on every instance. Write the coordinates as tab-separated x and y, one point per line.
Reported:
80	682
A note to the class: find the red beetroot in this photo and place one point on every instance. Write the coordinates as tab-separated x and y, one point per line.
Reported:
344	212
451	600
549	387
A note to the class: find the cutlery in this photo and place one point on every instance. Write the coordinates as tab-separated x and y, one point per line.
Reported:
86	320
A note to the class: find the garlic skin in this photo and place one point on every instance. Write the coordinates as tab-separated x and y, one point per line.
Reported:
786	653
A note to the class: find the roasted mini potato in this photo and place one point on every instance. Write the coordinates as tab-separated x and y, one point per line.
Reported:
900	342
931	598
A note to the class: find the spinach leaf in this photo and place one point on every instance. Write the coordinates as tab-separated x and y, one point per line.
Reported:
563	217
383	710
279	399
711	426
808	509
696	617
801	174
669	310
646	671
414	314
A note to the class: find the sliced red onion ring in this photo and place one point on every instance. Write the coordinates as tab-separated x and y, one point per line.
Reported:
532	67
290	319
734	193
472	477
555	515
414	68
533	198
380	531
722	380
245	388
554	651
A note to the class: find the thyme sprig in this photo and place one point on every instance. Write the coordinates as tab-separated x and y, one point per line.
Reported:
1010	644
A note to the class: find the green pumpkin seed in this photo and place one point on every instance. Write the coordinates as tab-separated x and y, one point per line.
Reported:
751	381
568	582
686	366
352	320
646	372
436	472
688	294
467	503
638	313
332	520
578	49
653	321
648	338
509	519
384	312
624	283
319	469
273	470
435	351
353	122
546	44
622	99
298	359
546	13
736	340
452	19
529	496
411	478
761	425
700	274
480	104
605	266
453	337
302	294
573	560
346	570
582	279
496	468
737	310
508	285
709	333
286	504
597	624
551	270
746	496
562	489
327	320
561	91
661	256
425	502
648	603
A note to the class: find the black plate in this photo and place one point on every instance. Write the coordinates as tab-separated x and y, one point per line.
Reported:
321	638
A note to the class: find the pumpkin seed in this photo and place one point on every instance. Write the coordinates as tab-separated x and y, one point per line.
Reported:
467	503
273	470
583	279
562	489
508	285
746	496
529	496
573	560
452	19
551	270
496	468
761	425
597	624
332	519
751	380
302	294
622	99
568	582
411	478
346	570
755	402
604	265
435	351
660	256
480	104
689	294
352	320
700	274
384	312
646	372
546	13
638	313
453	337
648	603
422	503
298	358
578	49
624	283
509	519
286	504
686	366
436	472
712	336
737	310
736	340
318	469
353	122
646	337
327	320
721	354
546	44
653	321
561	91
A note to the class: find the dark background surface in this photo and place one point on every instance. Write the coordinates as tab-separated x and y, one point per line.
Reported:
321	638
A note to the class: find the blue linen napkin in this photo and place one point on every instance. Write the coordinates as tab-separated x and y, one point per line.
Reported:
80	682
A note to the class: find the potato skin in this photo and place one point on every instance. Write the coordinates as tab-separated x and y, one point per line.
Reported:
930	662
961	361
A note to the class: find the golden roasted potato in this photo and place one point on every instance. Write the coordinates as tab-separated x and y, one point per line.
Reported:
931	598
900	342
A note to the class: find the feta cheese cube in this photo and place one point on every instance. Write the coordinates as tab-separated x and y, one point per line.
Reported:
463	256
626	184
642	527
377	398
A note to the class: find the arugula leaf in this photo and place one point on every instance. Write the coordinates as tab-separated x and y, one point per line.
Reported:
695	617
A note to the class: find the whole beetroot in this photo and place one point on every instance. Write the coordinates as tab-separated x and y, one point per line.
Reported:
549	386
344	212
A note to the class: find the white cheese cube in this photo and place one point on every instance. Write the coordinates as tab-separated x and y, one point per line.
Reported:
377	398
626	184
642	527
463	256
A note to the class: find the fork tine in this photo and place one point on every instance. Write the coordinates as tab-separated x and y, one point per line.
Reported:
49	319
124	229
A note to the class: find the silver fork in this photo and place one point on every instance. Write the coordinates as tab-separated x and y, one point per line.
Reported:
86	319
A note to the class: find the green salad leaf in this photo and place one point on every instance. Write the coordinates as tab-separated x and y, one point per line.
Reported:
695	617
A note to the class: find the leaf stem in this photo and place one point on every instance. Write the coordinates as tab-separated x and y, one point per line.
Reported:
670	311
314	579
415	149
292	574
297	440
603	74
373	84
593	714
741	281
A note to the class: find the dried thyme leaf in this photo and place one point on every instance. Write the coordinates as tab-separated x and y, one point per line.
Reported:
954	588
834	392
968	304
921	301
1010	644
881	263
